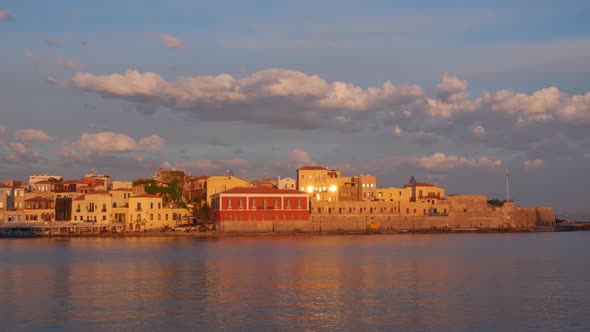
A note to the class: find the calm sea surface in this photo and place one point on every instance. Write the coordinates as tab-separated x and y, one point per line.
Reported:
483	282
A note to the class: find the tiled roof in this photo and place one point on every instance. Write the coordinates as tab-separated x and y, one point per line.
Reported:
38	199
121	189
146	195
98	192
312	168
79	198
261	190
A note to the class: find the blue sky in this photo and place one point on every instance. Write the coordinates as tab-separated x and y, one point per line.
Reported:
475	87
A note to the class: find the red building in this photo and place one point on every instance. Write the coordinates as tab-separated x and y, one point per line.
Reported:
250	204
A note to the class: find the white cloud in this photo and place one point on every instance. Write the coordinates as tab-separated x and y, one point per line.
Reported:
3	129
397	131
276	96
73	65
451	89
153	142
170	41
441	162
107	142
5	15
19	154
533	164
33	135
301	157
479	131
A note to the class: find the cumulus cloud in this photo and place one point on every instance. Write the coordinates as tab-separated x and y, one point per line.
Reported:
451	89
441	162
5	15
153	142
73	65
397	131
19	154
301	157
278	96
170	41
33	135
532	164
107	142
110	142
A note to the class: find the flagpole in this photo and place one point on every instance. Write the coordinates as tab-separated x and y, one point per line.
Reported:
507	186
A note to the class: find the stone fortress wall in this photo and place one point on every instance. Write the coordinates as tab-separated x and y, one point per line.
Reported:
457	212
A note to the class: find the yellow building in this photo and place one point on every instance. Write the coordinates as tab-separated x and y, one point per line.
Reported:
41	209
147	212
319	182
94	207
12	200
394	194
120	199
217	184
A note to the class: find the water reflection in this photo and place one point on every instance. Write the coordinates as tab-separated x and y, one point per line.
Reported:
454	282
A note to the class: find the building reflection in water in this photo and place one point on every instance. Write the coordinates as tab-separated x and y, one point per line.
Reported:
293	283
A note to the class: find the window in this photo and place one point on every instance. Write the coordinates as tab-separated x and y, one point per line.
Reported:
159	216
159	205
151	216
288	203
104	218
254	202
213	190
298	203
166	216
229	202
138	206
241	202
276	202
264	203
151	205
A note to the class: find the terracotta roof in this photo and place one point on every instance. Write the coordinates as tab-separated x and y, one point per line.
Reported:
261	190
38	199
121	189
2	185
312	168
79	198
202	177
146	195
98	192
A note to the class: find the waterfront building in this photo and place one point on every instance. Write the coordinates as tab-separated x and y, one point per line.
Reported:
120	199
246	206
358	188
287	183
11	203
121	185
319	182
195	188
39	209
93	207
217	184
93	179
147	211
43	177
